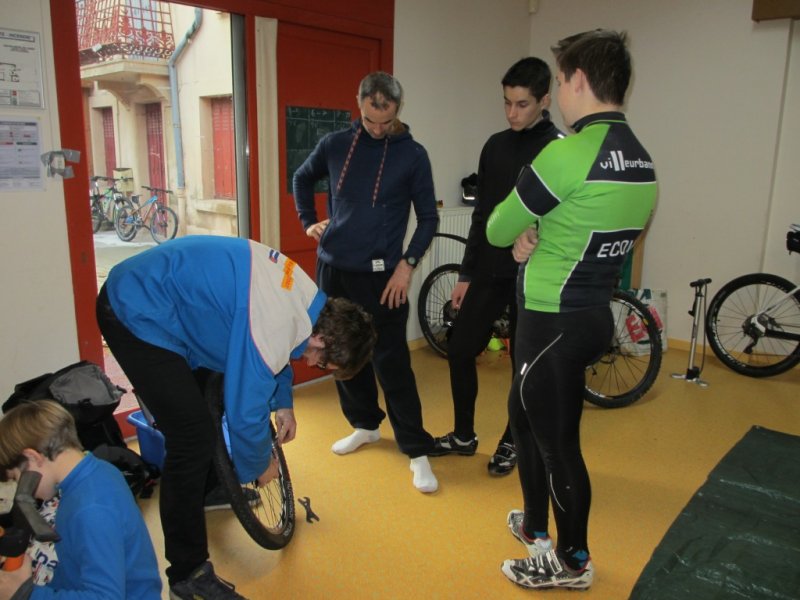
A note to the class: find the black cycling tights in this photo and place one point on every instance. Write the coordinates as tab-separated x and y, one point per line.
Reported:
545	406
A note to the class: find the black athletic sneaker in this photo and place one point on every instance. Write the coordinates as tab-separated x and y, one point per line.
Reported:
450	444
204	584
503	460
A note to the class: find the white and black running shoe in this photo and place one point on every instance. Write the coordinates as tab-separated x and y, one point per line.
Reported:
539	545
547	571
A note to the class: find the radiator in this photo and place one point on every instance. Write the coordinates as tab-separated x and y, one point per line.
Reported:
443	250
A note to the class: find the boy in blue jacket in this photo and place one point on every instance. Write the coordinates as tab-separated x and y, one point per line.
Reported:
105	550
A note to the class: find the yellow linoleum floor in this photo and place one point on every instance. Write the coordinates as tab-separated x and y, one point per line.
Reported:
379	538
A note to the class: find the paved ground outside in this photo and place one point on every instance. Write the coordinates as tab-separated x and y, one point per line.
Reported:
110	250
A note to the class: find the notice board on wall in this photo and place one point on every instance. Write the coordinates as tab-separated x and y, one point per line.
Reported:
304	128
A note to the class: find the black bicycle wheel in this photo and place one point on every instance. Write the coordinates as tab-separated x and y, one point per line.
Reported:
163	224
628	369
125	221
753	326
97	214
266	513
434	307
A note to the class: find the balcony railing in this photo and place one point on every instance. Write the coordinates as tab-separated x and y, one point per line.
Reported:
113	29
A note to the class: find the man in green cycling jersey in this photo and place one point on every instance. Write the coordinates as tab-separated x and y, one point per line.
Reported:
590	195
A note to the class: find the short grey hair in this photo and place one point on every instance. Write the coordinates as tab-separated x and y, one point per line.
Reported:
380	84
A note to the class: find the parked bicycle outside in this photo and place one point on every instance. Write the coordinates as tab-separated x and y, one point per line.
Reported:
105	204
154	215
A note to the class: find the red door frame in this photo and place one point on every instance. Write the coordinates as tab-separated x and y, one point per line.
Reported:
358	17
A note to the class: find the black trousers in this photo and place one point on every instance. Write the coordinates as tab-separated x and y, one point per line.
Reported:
545	407
174	395
391	363
483	304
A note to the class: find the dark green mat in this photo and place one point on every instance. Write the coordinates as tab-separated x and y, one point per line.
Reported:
739	535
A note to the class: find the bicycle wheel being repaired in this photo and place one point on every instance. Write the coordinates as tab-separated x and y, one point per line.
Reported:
267	512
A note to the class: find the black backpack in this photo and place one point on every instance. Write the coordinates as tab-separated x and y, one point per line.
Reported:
91	398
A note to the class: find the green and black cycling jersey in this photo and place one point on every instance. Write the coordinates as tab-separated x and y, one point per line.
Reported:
590	194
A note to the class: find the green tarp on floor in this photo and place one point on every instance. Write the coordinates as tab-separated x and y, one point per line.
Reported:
739	535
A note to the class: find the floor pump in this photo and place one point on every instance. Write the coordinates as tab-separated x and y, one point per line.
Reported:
692	374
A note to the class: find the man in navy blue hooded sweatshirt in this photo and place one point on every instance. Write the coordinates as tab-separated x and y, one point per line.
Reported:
377	172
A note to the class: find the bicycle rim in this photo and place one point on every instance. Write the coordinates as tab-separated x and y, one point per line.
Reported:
732	334
125	222
163	224
97	218
266	513
434	308
629	367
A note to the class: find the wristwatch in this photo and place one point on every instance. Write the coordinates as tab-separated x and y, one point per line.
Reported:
412	261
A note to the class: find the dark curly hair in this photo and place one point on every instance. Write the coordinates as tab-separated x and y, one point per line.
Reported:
348	334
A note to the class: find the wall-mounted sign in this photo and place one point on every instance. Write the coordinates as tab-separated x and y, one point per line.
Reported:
20	69
20	168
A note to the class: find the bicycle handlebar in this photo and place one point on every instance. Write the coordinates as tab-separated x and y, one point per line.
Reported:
155	189
451	236
106	178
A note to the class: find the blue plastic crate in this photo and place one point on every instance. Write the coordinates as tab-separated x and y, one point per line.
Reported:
151	441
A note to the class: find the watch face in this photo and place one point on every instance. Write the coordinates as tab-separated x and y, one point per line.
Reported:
411	261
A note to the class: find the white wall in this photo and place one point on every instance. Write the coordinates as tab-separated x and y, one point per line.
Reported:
708	102
450	56
37	321
715	98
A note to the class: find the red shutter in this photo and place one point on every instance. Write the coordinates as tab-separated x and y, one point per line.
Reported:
223	139
155	146
108	140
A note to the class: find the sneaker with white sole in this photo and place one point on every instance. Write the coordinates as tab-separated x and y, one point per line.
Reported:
450	444
539	545
204	584
547	571
503	460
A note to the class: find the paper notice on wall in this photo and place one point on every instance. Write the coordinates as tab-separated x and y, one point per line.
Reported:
20	69
20	147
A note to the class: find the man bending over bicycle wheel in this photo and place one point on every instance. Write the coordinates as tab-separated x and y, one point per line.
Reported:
234	306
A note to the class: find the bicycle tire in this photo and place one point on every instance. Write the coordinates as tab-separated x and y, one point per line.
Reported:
629	367
97	214
434	307
125	221
269	521
734	339
163	224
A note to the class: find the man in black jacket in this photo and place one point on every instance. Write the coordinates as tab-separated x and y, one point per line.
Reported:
487	278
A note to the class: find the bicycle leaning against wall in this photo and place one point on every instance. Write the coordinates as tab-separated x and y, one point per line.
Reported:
753	321
104	205
625	372
154	215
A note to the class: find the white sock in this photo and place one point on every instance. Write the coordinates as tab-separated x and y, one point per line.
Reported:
424	479
355	440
